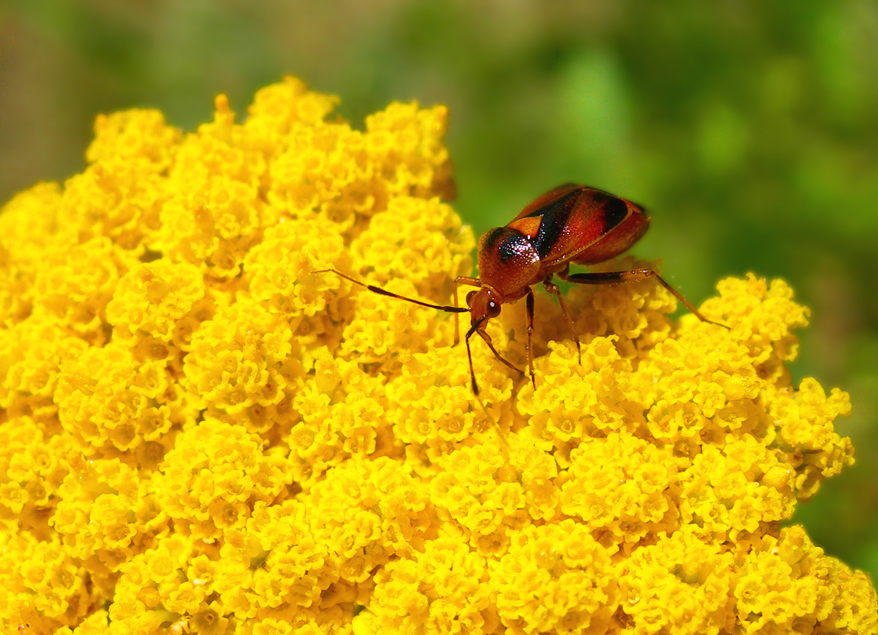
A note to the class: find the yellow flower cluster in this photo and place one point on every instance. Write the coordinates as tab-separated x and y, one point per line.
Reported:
199	433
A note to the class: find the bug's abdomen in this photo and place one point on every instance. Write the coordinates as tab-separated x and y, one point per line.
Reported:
617	240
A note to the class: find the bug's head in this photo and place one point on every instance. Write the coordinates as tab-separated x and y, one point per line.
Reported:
483	304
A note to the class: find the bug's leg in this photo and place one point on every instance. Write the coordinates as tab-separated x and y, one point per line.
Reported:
469	354
380	291
529	302
459	280
615	277
477	328
552	288
490	344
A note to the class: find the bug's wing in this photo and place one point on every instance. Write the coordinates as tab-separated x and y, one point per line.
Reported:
620	230
579	223
536	208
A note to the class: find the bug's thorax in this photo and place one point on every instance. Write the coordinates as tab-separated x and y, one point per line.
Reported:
508	263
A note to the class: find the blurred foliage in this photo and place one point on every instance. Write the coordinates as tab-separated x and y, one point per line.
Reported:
747	128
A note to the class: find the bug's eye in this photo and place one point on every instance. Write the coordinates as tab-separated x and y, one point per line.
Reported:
493	309
469	297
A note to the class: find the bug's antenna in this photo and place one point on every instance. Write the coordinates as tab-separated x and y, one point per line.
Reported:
380	291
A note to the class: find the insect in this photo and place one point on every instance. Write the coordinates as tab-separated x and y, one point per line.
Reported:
568	224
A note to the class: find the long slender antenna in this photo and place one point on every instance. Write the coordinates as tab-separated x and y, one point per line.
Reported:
469	333
380	291
441	307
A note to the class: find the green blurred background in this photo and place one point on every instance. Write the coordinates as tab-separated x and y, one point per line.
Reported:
749	129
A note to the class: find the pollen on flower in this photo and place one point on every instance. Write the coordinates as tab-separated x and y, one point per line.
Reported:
205	430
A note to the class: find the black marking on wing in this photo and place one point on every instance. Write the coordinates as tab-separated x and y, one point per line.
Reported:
549	208
615	210
555	218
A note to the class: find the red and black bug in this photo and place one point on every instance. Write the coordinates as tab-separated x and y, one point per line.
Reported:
568	224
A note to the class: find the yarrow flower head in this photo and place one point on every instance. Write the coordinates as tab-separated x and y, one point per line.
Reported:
199	433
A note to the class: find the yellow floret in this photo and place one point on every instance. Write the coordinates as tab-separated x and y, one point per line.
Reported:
31	355
279	107
281	272
33	465
210	480
556	578
368	512
444	589
108	400
240	361
341	413
27	225
622	489
406	142
420	241
478	492
203	429
294	567
152	298
134	136
677	585
786	584
43	584
106	516
76	282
